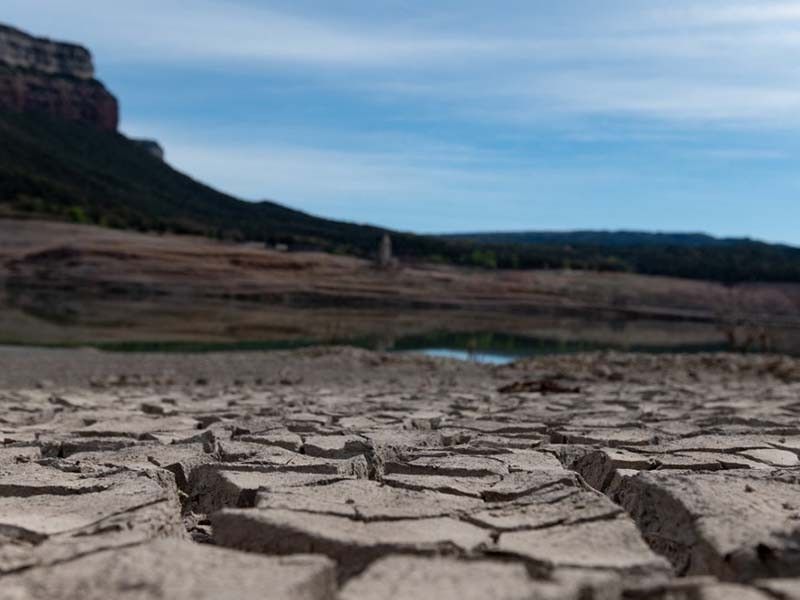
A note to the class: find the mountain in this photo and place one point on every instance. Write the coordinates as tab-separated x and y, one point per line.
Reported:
610	239
61	157
65	170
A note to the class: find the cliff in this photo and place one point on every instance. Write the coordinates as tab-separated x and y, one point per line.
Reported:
38	75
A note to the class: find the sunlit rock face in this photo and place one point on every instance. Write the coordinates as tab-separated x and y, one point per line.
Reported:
20	50
38	75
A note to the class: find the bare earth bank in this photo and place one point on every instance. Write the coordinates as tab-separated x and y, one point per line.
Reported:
68	284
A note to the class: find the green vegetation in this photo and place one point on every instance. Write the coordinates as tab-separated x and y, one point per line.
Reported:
690	255
65	171
483	258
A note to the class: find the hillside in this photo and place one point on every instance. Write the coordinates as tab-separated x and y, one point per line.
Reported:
610	239
690	255
67	171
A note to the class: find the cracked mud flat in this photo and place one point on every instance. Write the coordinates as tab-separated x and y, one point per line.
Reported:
338	473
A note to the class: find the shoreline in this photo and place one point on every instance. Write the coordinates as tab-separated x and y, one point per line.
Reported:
62	283
26	366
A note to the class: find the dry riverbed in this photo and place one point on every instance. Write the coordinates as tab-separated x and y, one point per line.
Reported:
340	473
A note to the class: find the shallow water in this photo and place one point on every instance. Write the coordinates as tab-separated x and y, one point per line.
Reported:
489	358
178	324
501	348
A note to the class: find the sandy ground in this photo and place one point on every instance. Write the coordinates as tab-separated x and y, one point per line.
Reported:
340	473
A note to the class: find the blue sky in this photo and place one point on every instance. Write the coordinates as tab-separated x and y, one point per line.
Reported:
466	115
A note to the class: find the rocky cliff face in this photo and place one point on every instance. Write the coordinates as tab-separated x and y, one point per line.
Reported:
54	78
20	50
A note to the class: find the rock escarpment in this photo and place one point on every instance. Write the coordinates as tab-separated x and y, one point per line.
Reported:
38	75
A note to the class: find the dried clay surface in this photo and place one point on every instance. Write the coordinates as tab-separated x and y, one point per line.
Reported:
340	473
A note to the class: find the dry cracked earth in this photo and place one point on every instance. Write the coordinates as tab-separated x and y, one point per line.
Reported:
342	474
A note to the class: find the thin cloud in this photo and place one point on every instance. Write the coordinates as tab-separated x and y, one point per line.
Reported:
210	30
741	154
402	182
742	13
679	99
311	172
645	64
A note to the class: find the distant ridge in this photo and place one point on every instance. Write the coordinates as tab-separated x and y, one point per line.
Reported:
608	238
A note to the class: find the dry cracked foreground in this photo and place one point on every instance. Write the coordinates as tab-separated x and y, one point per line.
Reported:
338	473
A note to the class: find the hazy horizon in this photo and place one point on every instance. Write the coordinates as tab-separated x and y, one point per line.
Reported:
637	115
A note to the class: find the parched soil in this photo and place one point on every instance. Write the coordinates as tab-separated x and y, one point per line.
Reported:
337	473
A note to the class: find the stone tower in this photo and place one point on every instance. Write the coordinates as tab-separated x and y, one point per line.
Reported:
385	260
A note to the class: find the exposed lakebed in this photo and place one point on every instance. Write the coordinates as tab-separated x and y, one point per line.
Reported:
341	473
